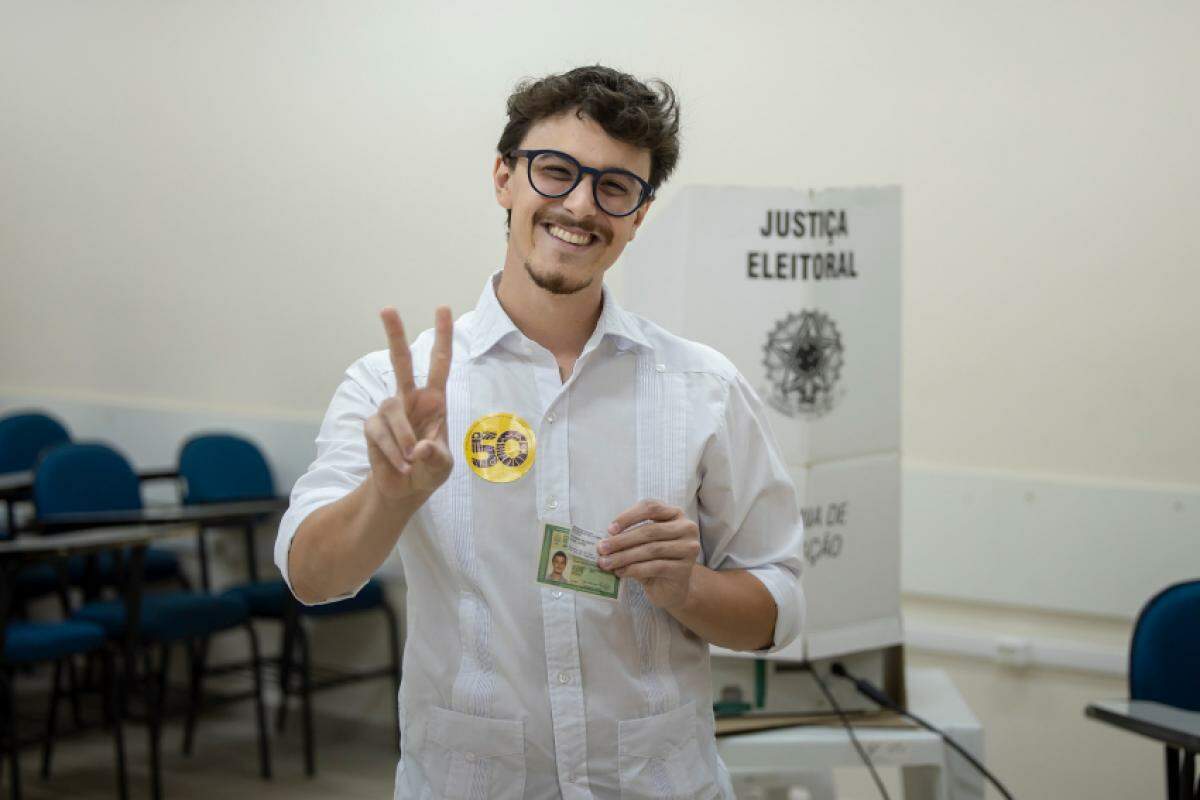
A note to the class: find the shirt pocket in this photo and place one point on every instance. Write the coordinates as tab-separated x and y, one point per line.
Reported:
659	758
463	751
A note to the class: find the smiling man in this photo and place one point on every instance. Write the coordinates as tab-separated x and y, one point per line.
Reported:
549	418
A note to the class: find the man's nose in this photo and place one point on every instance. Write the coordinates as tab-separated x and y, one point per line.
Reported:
581	201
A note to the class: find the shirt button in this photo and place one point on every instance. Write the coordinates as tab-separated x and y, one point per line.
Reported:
557	593
549	418
661	367
551	503
564	677
572	777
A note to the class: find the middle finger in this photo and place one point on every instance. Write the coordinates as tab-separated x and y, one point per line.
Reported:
674	550
650	532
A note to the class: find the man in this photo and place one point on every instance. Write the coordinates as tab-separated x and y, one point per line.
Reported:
558	563
550	404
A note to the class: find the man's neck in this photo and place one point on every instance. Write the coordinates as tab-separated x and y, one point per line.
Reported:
561	323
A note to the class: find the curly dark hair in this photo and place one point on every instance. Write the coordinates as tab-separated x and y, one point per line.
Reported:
627	109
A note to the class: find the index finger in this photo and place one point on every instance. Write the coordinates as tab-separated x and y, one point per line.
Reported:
644	511
398	350
439	357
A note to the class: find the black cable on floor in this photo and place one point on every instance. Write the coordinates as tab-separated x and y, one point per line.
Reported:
867	689
846	722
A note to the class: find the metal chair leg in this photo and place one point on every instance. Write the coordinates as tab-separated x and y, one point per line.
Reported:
285	670
394	647
1187	778
73	689
52	719
260	709
155	702
197	657
113	688
1172	773
310	756
9	704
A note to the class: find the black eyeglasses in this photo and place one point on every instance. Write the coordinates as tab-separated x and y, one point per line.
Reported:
617	192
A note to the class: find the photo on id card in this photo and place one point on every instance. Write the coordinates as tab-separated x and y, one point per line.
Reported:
568	560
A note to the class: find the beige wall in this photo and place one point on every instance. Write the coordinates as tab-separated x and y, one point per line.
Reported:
208	202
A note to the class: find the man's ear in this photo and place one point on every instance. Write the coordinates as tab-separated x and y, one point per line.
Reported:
638	216
501	178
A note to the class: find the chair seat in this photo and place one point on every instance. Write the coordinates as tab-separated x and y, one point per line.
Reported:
159	565
270	598
27	642
168	617
36	580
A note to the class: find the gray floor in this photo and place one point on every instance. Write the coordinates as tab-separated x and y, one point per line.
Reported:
353	761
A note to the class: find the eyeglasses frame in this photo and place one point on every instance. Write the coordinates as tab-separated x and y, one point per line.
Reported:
530	155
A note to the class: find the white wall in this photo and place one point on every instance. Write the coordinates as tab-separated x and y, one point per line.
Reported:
208	202
202	205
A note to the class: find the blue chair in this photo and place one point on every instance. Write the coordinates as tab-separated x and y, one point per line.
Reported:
1164	660
92	477
97	478
24	436
222	468
27	643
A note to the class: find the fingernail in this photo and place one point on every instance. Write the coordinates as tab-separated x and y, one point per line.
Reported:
602	548
408	453
605	562
612	528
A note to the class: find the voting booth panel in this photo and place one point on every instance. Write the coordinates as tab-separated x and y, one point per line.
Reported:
851	575
801	291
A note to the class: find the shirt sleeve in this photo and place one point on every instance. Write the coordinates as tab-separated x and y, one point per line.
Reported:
749	509
342	462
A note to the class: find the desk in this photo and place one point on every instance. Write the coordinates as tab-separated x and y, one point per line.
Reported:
1177	728
241	514
20	551
931	770
17	486
93	531
212	514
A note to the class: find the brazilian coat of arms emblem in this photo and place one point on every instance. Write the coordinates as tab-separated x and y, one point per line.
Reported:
803	356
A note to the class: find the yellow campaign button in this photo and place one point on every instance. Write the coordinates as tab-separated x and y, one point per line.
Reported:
500	447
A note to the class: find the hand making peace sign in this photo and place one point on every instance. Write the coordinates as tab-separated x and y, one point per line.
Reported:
407	437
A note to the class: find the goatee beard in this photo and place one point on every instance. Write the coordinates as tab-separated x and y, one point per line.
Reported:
555	283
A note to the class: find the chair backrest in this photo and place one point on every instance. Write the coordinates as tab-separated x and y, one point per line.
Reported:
219	468
85	477
1164	655
24	436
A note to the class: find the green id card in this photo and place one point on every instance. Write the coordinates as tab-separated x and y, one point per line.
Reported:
568	561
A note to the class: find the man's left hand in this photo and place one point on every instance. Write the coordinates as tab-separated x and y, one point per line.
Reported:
658	554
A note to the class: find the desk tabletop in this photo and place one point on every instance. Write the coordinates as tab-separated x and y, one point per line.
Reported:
20	483
33	547
1170	725
209	513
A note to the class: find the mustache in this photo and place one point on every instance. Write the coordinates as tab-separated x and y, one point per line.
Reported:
589	225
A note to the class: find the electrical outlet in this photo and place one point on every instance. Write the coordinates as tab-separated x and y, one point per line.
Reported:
1014	651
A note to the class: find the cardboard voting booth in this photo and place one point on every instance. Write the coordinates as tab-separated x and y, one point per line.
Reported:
801	290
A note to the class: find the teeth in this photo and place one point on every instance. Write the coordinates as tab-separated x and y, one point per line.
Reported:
567	236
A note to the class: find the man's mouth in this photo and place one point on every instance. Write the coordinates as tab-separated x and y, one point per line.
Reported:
575	238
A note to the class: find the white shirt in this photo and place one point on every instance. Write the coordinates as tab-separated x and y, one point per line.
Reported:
516	689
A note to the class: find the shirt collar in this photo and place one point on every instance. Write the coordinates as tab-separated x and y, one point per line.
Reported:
491	323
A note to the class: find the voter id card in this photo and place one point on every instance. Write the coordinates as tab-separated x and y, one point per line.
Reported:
568	561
